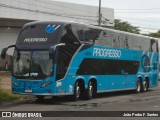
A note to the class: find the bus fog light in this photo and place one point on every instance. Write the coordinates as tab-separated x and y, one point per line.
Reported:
49	91
45	84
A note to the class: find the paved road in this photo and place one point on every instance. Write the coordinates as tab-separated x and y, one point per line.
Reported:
115	101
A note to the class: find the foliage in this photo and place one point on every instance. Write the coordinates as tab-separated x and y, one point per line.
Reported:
125	26
5	96
156	34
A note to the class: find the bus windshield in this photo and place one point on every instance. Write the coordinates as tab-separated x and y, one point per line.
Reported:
32	64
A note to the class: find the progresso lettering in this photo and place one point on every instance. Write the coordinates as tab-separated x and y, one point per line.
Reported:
100	52
35	40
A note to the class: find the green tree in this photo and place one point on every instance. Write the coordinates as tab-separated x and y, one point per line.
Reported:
156	34
125	26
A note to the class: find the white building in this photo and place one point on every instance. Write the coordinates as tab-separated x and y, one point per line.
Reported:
15	13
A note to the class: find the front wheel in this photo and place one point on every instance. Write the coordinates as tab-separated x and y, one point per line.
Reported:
40	98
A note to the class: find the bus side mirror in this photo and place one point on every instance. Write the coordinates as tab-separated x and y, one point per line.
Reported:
4	50
3	53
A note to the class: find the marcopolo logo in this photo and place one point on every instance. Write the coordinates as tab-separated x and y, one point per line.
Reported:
100	52
51	28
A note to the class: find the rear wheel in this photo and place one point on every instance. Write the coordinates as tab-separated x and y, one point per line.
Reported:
145	85
139	86
77	91
90	90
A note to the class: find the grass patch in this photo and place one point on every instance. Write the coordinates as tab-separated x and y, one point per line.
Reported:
7	96
5	73
158	79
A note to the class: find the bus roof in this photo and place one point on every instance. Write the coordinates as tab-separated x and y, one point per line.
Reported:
91	26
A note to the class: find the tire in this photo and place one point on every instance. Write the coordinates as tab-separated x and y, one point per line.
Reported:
40	98
52	100
77	91
90	91
139	86
145	85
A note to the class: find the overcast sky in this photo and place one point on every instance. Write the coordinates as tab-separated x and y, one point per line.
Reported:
142	13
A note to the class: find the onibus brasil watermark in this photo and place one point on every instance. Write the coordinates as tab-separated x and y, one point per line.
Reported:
21	114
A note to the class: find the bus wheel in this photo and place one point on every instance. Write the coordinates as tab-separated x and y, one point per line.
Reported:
40	98
139	86
77	91
145	85
90	90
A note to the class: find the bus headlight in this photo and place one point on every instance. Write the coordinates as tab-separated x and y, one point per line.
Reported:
14	83
45	84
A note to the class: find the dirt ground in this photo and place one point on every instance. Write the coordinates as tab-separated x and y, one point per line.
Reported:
5	80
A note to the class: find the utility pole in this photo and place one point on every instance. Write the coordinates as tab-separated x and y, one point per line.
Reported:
100	14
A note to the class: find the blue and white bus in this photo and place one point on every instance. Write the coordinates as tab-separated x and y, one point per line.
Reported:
54	58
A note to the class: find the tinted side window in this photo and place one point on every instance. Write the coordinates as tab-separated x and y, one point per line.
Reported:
85	34
88	35
104	38
137	43
80	33
96	38
145	44
90	66
115	41
126	41
108	38
154	46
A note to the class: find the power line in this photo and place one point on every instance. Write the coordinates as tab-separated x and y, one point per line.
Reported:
59	5
53	9
140	9
139	19
14	7
62	15
144	27
140	12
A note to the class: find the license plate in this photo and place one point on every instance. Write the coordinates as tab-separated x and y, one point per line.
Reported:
28	91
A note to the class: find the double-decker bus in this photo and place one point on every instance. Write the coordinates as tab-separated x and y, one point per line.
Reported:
53	58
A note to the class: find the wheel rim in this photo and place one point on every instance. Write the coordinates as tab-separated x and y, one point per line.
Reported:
145	86
77	91
138	87
90	90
